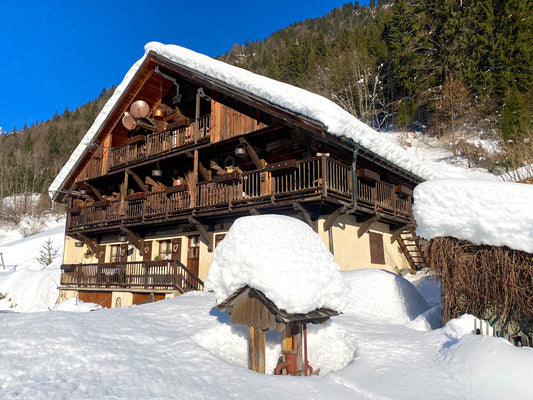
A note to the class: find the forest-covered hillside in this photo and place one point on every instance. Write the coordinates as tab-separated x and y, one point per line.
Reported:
431	64
31	157
441	66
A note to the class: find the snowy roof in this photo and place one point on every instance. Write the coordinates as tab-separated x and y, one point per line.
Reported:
486	212
333	118
280	256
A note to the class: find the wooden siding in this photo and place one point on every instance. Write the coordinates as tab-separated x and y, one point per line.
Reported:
102	298
227	122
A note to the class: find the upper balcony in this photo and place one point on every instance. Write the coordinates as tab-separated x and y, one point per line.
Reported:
318	178
141	147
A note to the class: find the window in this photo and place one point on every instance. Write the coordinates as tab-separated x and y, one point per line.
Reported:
218	238
115	253
377	251
165	249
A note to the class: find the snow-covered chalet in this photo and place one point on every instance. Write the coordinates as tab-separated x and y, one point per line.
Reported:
187	144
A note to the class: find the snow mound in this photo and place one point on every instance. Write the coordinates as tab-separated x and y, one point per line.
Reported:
30	290
491	213
280	256
76	305
490	365
384	296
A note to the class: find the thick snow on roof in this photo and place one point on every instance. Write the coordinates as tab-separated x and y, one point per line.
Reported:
338	122
486	212
280	256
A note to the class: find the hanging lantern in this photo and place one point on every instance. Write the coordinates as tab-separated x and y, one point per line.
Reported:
160	111
157	172
240	151
122	237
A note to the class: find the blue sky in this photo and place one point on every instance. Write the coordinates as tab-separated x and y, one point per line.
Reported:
55	54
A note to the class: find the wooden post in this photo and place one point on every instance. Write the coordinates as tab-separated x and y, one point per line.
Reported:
324	166
256	350
297	346
2	256
197	119
286	344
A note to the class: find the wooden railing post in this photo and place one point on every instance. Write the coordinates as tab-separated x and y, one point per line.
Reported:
324	166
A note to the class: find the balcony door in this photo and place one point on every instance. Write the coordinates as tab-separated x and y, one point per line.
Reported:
193	254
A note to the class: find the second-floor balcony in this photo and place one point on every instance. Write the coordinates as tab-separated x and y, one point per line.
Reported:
142	147
319	178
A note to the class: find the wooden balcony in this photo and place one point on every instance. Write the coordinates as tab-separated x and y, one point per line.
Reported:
144	275
320	178
158	143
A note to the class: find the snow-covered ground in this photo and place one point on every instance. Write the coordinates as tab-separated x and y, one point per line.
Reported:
386	345
185	348
28	285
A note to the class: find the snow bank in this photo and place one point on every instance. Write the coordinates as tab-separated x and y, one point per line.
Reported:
28	287
76	305
280	256
381	295
492	213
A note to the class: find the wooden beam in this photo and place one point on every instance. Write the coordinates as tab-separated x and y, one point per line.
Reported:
138	181
366	225
203	233
333	216
259	164
90	244
135	241
313	224
95	191
396	234
203	171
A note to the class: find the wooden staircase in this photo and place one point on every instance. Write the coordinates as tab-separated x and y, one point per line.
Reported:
413	248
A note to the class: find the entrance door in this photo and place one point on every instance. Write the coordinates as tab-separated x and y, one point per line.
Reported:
193	256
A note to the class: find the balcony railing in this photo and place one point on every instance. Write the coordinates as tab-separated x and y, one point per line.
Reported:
153	275
159	143
320	177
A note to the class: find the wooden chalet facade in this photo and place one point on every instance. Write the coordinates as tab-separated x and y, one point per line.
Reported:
178	155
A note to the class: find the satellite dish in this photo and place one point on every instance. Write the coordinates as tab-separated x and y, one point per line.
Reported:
129	122
139	109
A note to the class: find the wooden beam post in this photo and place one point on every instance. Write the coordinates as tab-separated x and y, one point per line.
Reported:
95	191
259	164
333	216
90	244
256	350
135	241
204	233
138	180
197	119
203	171
297	346
313	224
366	225
396	234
